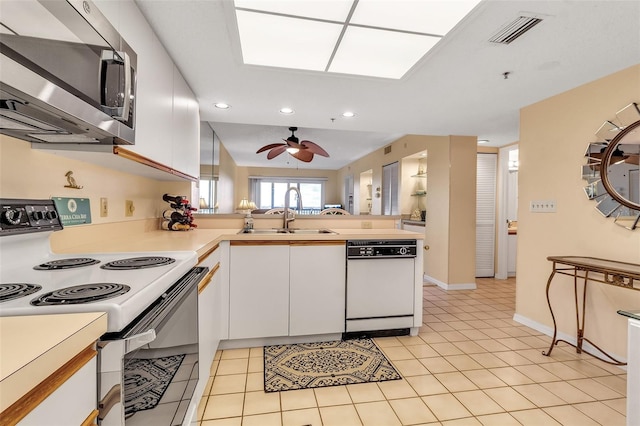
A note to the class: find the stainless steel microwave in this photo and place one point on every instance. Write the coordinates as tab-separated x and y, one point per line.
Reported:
66	74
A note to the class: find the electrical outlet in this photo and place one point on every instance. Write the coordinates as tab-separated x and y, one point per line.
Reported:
366	225
129	208
542	206
104	207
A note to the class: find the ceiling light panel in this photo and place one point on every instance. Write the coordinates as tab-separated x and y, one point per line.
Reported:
334	10
279	41
425	16
379	53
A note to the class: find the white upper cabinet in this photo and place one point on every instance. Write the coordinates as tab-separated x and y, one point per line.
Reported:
167	112
185	134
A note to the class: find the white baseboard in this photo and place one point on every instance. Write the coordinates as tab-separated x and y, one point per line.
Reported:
283	340
545	329
445	286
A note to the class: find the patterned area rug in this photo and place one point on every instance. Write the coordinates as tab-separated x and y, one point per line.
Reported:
146	381
316	365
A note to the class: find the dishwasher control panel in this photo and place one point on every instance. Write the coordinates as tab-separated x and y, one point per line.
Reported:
362	249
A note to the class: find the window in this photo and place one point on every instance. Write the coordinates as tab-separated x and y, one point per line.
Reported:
269	193
390	189
208	194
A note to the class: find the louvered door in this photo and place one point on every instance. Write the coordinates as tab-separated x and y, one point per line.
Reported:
485	214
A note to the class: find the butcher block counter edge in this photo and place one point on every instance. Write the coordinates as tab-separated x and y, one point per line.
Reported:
32	348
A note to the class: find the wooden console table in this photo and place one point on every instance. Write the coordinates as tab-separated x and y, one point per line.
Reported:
620	274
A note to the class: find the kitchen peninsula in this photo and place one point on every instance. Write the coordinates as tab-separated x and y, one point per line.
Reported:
251	273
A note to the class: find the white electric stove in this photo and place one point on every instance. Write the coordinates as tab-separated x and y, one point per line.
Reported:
151	301
33	280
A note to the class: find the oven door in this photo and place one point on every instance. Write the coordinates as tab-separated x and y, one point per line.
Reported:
154	378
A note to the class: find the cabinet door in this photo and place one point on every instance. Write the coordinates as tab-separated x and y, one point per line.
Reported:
71	403
185	132
259	290
154	91
209	311
317	288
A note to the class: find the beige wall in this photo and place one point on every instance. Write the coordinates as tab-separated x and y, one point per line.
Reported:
226	182
450	200
34	173
554	135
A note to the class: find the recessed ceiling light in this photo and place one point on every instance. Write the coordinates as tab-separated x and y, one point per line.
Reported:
286	110
348	114
222	105
483	141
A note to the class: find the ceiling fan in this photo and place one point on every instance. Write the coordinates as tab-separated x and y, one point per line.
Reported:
303	151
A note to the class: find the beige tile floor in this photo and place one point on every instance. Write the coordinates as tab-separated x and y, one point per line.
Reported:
471	364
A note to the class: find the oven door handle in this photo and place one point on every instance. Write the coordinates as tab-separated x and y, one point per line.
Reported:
138	340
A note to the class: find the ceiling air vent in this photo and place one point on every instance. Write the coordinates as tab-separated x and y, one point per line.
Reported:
387	150
515	29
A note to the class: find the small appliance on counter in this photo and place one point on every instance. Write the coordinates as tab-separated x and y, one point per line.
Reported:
181	217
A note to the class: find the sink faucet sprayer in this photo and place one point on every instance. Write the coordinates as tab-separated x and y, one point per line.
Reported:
285	215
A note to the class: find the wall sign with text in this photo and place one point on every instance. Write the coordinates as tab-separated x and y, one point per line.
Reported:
73	211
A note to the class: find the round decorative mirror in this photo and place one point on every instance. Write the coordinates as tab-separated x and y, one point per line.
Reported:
612	170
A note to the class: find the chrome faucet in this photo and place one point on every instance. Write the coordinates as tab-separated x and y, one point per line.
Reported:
285	215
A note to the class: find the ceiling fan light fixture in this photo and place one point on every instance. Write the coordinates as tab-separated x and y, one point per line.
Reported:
286	111
301	150
222	105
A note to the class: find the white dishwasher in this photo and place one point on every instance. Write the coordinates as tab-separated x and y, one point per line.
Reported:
380	287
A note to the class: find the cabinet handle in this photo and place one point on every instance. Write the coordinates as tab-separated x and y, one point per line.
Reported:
207	279
110	399
426	247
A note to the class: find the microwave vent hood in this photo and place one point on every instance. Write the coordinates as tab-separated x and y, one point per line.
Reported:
69	80
25	120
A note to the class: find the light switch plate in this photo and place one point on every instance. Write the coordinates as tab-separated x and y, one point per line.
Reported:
542	206
129	208
104	207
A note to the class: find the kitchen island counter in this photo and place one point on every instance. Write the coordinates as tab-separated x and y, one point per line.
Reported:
35	347
202	240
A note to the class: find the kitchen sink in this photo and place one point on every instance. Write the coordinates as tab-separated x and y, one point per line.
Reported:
311	231
263	231
274	231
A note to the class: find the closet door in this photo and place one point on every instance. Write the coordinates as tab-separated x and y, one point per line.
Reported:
390	189
485	214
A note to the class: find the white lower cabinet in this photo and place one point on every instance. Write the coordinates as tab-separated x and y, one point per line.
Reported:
209	311
259	290
292	288
71	404
317	288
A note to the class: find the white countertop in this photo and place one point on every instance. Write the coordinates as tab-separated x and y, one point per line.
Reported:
34	347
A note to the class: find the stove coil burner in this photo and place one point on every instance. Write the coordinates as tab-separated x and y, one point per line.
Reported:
77	262
17	290
138	263
85	293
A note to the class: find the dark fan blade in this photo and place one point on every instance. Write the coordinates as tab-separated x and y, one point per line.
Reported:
293	144
315	148
276	151
267	147
304	155
633	159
